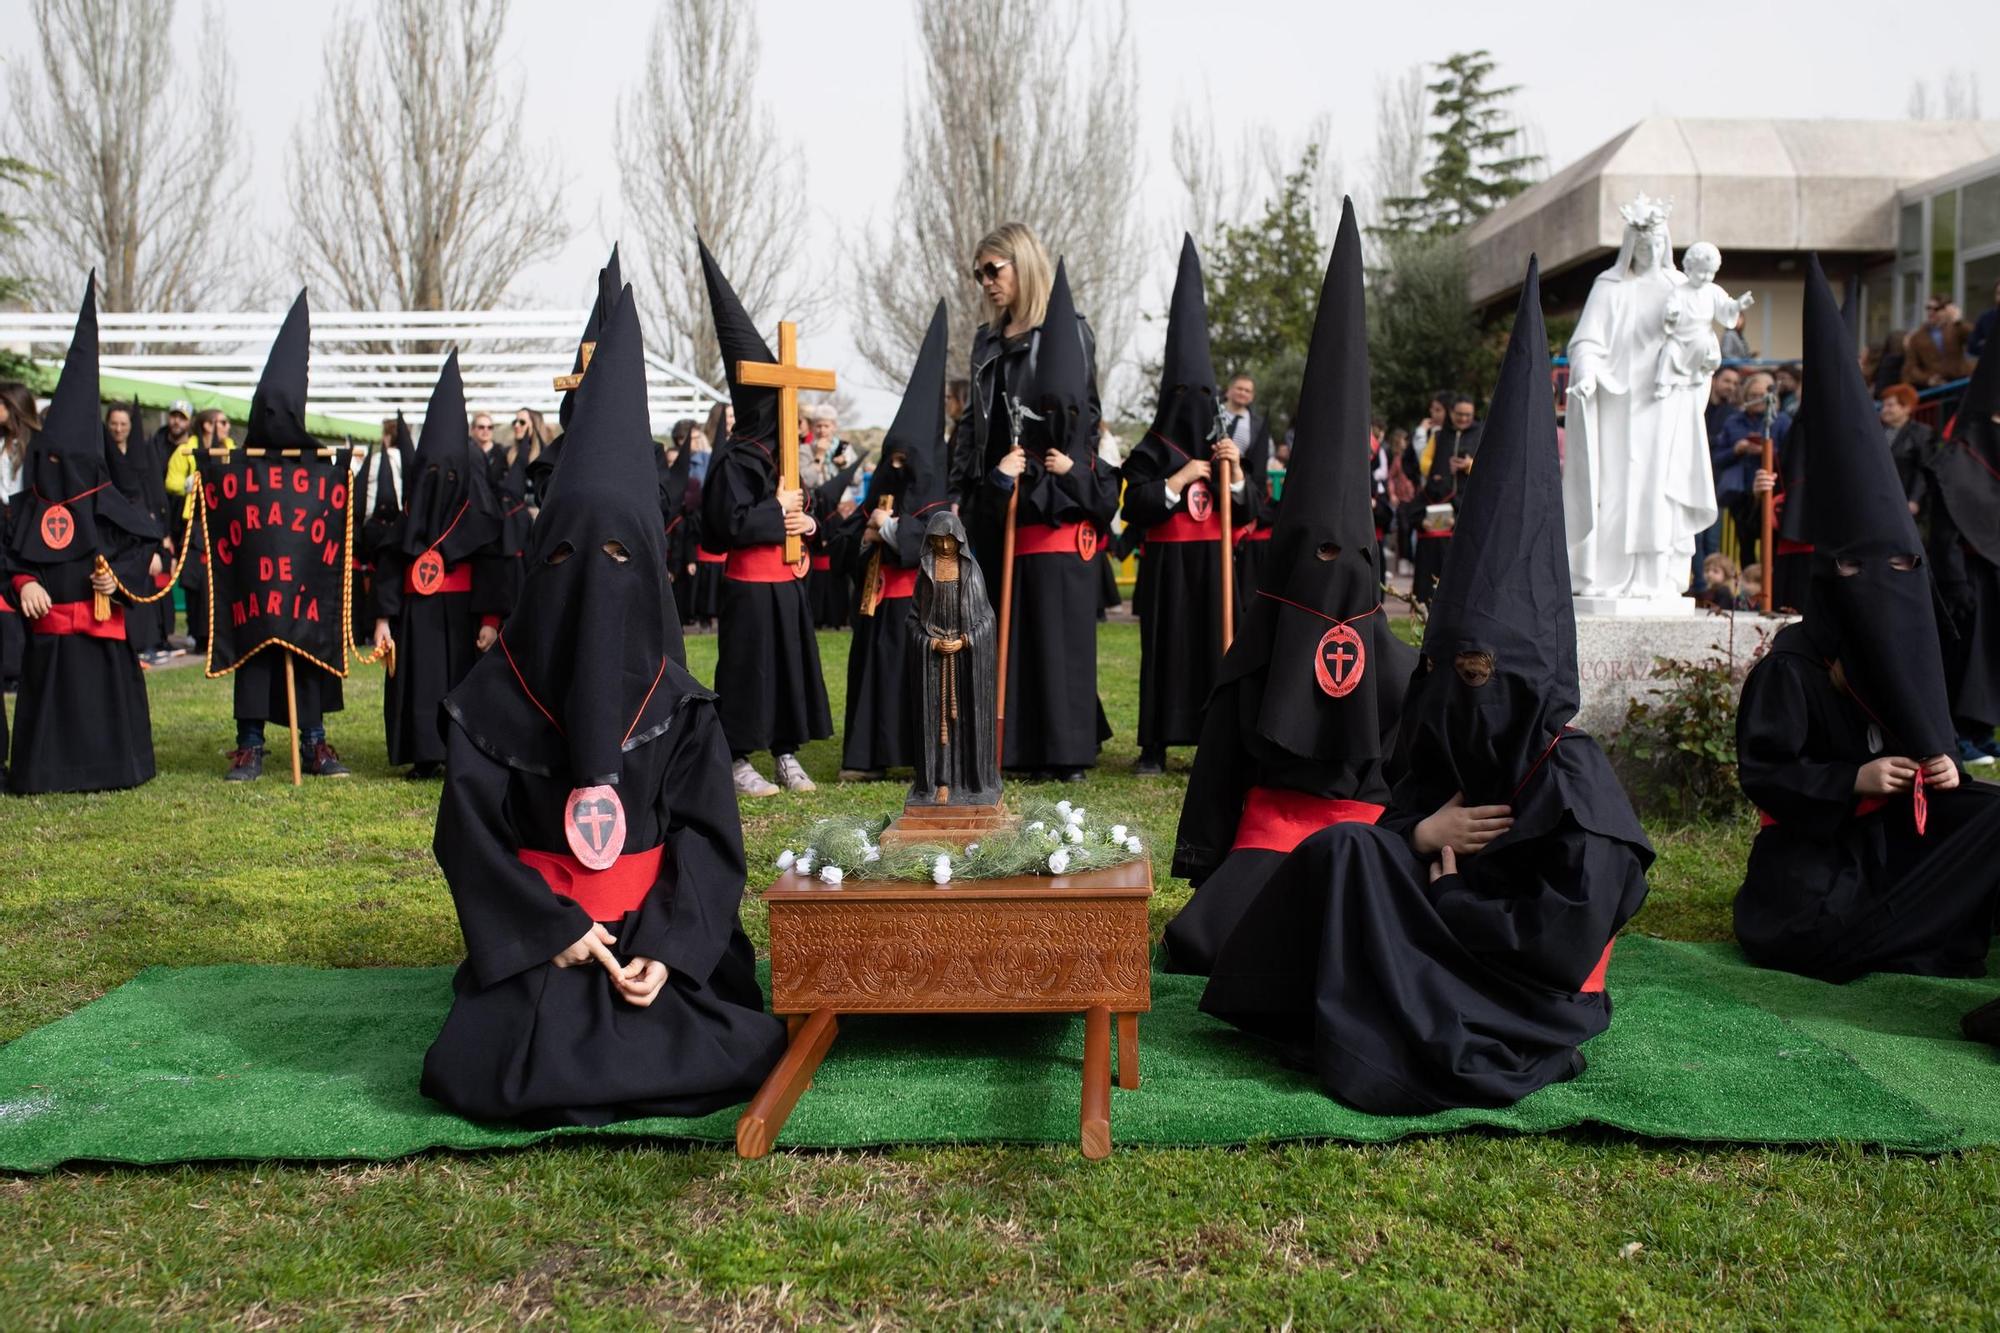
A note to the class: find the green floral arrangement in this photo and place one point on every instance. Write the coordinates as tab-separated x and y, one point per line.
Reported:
1058	839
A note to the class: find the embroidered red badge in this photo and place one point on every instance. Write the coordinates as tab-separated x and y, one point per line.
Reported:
1086	541
1341	661
58	527
594	824
427	575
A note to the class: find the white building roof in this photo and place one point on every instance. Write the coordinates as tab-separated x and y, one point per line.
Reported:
1773	185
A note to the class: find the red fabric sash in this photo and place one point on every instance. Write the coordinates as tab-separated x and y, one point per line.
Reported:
75	618
822	564
607	894
1257	532
1427	535
162	579
898	581
1277	820
1867	805
704	556
1786	546
760	564
457	578
1041	539
1594	983
1183	527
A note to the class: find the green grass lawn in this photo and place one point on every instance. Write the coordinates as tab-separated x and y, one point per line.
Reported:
1479	1229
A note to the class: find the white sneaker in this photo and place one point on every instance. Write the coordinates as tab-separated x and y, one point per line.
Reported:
793	775
749	782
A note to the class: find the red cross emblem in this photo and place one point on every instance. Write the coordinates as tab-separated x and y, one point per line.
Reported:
1086	541
594	824
1200	503
427	575
1340	661
58	527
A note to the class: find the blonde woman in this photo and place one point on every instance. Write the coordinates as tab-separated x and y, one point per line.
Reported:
1036	353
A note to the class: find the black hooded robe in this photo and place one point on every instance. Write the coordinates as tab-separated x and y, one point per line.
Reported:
1962	482
1838	886
529	1041
81	721
767	672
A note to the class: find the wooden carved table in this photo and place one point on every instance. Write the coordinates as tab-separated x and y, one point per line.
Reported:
1035	944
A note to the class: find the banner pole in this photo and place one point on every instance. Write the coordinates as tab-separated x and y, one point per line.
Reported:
292	714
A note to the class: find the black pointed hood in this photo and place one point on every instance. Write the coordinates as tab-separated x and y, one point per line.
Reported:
449	504
736	333
1057	385
590	662
68	496
1185	419
1967	464
278	406
609	284
911	466
1331	667
1794	523
1504	593
1878	620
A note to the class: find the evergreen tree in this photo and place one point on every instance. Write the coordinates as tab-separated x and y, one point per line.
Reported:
1476	162
1263	282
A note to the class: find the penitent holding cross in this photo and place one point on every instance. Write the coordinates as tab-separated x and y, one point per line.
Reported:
787	377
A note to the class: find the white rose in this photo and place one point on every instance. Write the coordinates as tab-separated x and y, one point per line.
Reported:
1058	861
1063	808
941	871
832	874
786	857
1132	846
804	865
1073	833
1037	826
1076	815
1118	833
872	854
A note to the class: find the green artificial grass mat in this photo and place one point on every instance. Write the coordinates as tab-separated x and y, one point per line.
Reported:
292	1063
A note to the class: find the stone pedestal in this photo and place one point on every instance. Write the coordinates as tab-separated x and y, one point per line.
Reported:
1616	653
1636	608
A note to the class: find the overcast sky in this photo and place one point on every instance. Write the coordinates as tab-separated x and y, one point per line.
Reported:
834	74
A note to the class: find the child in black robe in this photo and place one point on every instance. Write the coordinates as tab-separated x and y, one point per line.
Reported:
773	695
887	547
1876	854
80	721
440	587
587	831
1304	714
1173	494
1453	954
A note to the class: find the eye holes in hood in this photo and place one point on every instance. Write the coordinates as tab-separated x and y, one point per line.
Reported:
562	552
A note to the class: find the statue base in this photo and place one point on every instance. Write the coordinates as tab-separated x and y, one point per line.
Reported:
955	825
1617	654
1652	608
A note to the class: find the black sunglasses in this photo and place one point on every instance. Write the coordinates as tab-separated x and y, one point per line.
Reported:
990	270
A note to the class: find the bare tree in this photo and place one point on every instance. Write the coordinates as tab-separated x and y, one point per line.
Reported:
1956	96
134	171
406	178
695	155
1021	116
1228	189
1402	119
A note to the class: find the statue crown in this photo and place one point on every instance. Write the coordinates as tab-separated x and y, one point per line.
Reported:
1646	212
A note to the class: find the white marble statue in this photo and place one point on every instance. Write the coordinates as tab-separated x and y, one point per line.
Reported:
1637	485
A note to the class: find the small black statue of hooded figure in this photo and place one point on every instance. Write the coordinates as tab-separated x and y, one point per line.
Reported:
906	488
1453	953
80	720
1875	855
587	827
1173	493
1304	714
951	650
441	587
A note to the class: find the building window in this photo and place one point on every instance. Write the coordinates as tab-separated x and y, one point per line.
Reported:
1910	231
1979	223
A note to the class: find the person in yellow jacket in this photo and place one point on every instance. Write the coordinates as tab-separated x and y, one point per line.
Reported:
211	431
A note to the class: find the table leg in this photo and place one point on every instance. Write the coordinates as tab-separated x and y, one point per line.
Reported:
757	1128
1128	1051
1096	1129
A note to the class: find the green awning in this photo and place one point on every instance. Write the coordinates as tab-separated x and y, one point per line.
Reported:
159	397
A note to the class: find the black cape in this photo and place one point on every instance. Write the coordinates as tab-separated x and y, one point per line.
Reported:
1409	994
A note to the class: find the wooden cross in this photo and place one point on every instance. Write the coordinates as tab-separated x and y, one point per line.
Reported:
787	377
